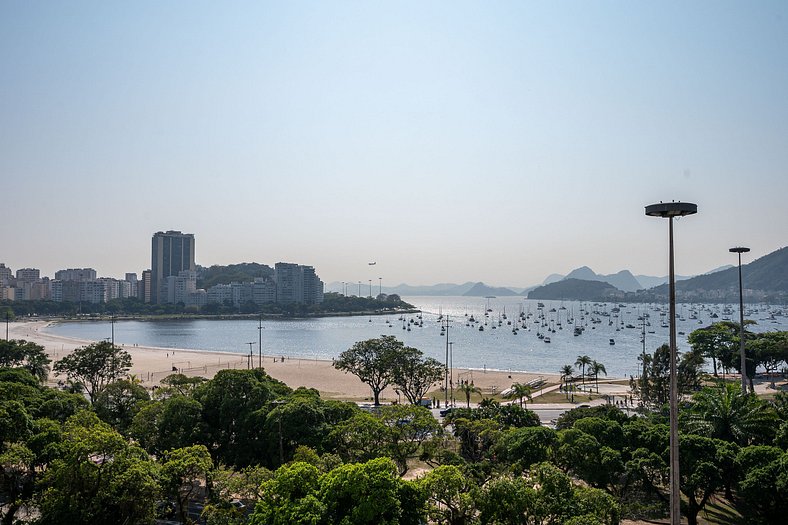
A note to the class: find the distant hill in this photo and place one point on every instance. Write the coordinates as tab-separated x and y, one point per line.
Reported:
764	279
239	273
623	280
552	278
577	290
441	289
482	290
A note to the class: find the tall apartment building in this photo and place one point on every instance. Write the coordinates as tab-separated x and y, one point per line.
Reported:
76	274
172	252
179	288
297	284
6	275
131	279
144	287
28	275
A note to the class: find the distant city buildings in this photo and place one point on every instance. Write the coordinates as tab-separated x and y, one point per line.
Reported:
172	279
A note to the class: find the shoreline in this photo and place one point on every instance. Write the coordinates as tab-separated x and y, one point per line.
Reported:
151	364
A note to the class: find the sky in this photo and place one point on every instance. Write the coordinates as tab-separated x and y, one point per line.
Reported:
447	141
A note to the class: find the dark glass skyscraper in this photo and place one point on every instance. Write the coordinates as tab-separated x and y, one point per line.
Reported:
171	253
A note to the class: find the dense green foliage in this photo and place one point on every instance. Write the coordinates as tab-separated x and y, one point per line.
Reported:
252	450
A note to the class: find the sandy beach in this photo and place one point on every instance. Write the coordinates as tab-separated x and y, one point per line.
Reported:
151	364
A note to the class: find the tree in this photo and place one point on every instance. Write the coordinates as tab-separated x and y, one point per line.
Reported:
119	402
414	375
566	375
372	361
520	391
17	479
526	446
369	493
717	342
182	472
468	389
28	355
764	483
723	412
97	477
547	496
235	404
654	385
594	371
95	366
290	497
407	428
582	362
450	494
699	471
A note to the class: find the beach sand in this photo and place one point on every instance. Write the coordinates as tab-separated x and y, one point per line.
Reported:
152	364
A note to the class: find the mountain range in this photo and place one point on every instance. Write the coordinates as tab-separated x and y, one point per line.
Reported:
764	278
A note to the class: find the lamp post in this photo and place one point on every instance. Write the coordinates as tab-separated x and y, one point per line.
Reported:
446	369
276	404
669	210
740	250
260	343
249	360
451	371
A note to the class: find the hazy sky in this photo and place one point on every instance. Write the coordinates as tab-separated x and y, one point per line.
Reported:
447	141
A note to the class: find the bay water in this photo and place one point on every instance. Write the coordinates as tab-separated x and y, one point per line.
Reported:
609	333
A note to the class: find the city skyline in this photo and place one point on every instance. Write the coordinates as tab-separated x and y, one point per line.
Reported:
447	142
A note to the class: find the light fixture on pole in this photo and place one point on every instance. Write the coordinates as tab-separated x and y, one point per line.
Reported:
249	359
669	210
740	250
260	343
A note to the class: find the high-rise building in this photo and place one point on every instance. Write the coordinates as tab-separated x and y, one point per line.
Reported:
172	252
76	274
297	284
6	275
28	275
145	286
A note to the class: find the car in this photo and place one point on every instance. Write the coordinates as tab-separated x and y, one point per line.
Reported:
584	406
446	411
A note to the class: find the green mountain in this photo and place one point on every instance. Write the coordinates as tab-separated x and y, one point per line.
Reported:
238	273
763	279
577	290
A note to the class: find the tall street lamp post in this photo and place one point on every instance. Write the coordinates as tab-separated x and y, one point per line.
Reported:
260	343
740	250
669	210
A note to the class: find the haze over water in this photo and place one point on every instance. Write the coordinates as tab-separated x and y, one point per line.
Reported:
499	348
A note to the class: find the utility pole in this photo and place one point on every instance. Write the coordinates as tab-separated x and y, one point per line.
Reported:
249	359
260	343
446	374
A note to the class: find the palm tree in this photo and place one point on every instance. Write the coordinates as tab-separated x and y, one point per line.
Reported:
468	389
519	391
566	375
582	362
723	412
594	370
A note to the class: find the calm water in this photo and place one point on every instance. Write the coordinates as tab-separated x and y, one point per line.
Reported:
492	348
